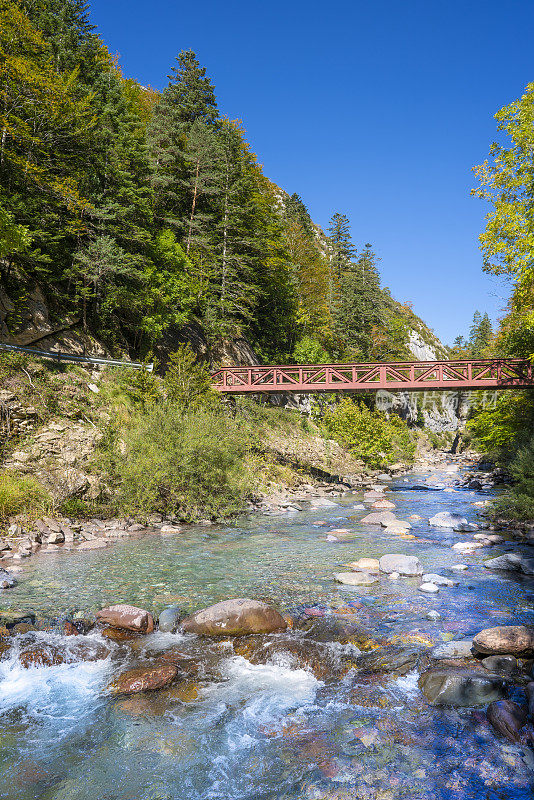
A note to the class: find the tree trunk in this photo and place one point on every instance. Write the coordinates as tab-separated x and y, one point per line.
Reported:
195	192
225	240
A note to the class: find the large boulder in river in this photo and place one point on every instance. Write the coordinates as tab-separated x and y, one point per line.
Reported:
234	618
144	679
458	687
379	518
507	718
404	565
515	640
447	519
129	618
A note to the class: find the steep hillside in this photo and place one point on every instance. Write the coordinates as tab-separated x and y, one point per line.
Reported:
134	220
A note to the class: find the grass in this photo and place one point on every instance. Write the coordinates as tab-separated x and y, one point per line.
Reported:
22	494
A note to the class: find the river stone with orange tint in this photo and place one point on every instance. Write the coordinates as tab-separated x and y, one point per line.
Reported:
127	617
515	640
237	617
42	657
143	679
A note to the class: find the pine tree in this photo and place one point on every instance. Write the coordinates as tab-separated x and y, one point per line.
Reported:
187	106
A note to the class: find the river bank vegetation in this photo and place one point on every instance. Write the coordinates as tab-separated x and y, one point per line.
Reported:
136	442
505	431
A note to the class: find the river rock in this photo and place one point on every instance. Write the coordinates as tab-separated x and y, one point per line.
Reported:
356	578
399	659
322	502
439	580
447	519
466	527
446	687
378	518
143	679
515	640
127	617
460	567
507	718
383	504
393	576
429	588
530	695
7	581
433	615
511	562
373	495
41	657
237	617
467	547
366	564
169	619
459	649
405	565
322	660
503	665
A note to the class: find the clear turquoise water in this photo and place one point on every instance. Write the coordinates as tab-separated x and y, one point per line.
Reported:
265	731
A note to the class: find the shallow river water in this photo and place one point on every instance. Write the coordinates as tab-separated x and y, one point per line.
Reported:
264	730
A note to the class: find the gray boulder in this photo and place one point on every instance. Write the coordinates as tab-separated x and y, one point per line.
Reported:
379	518
447	519
439	580
356	578
169	619
511	562
460	649
458	687
404	565
503	665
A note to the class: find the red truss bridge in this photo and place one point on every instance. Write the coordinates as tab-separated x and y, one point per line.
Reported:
501	373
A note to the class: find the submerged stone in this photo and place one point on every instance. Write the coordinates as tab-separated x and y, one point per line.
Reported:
445	687
397	658
507	718
404	565
356	578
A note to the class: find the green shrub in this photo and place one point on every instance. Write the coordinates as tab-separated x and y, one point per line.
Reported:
188	464
369	435
22	494
187	381
518	501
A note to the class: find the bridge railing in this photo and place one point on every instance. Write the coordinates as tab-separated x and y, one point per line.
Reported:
394	376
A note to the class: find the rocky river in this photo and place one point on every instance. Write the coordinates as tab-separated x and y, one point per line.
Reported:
360	688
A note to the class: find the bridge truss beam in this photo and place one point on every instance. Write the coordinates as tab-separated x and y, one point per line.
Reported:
503	373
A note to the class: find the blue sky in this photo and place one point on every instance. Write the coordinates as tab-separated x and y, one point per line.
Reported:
376	109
